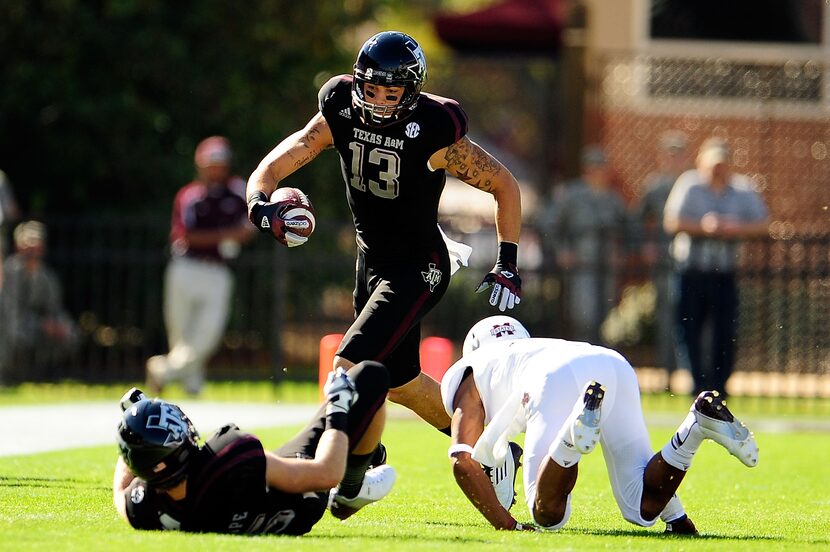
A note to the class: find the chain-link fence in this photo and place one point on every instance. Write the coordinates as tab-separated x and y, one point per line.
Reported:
775	114
776	117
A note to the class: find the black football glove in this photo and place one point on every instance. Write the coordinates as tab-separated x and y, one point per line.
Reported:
261	211
504	279
265	215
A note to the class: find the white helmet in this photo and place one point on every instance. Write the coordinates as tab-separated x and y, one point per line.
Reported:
493	329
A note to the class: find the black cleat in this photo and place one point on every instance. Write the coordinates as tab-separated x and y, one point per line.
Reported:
681	526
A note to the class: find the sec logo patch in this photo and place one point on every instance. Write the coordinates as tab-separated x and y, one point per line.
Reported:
413	129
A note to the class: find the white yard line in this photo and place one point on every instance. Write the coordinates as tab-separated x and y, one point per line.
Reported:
40	428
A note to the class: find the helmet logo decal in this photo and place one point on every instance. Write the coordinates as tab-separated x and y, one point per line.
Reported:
169	420
502	329
432	276
137	494
412	130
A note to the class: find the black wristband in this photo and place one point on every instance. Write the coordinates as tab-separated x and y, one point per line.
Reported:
508	253
338	421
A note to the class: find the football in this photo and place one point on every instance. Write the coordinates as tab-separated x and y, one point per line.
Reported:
296	216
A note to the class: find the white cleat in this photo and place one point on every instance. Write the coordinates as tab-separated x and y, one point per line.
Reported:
503	477
717	423
377	483
585	428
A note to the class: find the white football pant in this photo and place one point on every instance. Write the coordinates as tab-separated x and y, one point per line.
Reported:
196	305
623	436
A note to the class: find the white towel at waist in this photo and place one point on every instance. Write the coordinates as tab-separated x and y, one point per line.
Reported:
459	252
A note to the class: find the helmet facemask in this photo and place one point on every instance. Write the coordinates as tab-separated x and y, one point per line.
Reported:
389	59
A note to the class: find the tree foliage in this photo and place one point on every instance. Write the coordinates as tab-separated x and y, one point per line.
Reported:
103	101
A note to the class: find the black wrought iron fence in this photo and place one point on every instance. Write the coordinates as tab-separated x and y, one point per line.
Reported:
285	300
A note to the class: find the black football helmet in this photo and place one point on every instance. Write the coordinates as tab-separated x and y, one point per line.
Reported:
390	58
157	441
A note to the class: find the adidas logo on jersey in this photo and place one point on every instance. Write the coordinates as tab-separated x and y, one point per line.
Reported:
345	112
265	223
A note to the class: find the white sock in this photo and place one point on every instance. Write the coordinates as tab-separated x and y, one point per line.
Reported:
683	445
673	510
562	451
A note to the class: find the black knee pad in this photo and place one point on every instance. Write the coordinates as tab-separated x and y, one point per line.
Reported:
371	379
372	382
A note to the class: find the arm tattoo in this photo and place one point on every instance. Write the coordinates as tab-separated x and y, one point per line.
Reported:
471	164
306	154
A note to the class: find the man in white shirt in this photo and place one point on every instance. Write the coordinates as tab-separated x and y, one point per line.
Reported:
567	397
710	211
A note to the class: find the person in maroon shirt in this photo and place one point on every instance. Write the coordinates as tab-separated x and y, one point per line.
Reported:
209	224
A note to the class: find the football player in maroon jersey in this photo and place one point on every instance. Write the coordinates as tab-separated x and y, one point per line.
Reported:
396	146
164	479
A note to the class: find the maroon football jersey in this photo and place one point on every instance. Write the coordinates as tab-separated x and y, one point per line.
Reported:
226	493
392	192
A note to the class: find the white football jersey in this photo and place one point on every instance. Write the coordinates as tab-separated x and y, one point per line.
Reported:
503	371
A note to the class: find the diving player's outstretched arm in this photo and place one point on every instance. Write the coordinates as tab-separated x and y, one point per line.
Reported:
301	475
467	426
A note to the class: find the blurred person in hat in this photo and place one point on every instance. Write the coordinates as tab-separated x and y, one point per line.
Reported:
36	331
672	160
209	225
9	214
587	223
709	212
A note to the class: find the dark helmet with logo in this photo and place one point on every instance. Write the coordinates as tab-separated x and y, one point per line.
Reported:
157	441
390	58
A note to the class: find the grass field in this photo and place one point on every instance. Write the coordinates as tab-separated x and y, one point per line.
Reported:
62	501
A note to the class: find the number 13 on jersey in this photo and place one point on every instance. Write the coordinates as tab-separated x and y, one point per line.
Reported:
388	167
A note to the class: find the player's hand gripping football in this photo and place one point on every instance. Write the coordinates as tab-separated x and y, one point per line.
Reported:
504	279
340	392
266	214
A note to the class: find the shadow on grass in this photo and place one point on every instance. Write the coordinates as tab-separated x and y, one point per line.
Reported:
50	482
641	534
644	534
398	537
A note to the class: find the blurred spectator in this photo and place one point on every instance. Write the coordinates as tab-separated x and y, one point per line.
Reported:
36	331
672	159
209	224
9	215
587	223
709	211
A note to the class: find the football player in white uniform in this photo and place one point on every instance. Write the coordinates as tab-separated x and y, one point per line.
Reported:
567	397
